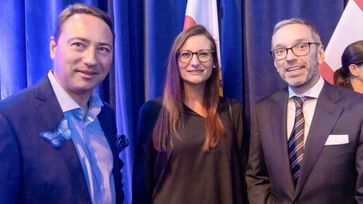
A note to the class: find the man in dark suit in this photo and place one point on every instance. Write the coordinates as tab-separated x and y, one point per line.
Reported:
306	142
57	138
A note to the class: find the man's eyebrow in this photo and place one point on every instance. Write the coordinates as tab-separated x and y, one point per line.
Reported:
294	43
105	44
88	41
79	38
301	40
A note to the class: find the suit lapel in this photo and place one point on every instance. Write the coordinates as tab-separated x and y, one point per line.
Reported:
50	114
278	142
326	114
47	107
107	122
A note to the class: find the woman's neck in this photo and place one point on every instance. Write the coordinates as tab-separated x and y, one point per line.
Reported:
194	99
357	85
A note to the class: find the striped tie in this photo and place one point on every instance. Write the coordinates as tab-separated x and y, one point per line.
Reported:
296	140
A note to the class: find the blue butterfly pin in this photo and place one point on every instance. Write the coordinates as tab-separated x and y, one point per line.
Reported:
61	134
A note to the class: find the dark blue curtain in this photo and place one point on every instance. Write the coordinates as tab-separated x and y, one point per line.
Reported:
129	75
145	30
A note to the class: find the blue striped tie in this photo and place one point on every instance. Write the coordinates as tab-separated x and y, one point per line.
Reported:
296	140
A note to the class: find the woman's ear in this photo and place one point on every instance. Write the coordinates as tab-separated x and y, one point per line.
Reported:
353	69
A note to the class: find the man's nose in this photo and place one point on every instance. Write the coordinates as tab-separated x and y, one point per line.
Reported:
90	57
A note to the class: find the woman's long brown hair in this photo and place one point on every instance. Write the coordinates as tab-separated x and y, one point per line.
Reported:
170	118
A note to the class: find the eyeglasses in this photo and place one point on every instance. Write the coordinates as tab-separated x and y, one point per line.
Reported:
186	55
300	49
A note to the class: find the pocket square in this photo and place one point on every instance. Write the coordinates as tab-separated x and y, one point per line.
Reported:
337	139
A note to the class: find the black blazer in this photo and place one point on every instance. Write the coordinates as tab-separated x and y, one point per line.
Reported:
150	165
330	173
32	170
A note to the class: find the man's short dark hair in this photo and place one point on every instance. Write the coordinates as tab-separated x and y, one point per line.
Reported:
79	8
309	25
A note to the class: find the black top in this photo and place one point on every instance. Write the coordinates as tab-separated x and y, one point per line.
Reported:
188	174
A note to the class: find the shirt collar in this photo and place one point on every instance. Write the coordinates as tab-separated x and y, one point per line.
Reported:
313	92
66	102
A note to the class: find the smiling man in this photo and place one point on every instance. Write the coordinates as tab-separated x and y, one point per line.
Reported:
307	141
57	138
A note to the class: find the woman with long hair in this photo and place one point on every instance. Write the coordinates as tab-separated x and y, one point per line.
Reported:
350	75
190	148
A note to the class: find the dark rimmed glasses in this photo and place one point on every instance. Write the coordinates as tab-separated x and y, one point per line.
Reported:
300	49
185	56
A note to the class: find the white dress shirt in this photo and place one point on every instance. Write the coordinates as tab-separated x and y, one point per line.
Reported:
308	107
90	142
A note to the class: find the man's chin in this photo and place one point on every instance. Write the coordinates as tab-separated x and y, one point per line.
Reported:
84	89
295	83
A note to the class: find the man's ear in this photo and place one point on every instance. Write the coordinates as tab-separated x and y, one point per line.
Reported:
353	69
321	55
52	47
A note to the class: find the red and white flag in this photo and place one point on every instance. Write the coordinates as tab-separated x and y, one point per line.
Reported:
348	30
203	12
